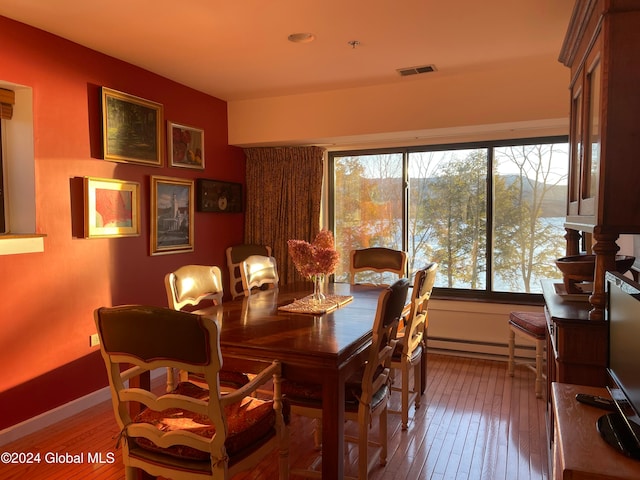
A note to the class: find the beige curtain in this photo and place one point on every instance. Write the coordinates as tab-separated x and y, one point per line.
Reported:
284	189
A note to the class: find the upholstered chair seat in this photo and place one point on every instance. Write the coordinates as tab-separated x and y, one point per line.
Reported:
414	356
530	327
310	394
249	420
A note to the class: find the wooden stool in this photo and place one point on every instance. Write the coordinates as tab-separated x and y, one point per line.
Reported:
531	326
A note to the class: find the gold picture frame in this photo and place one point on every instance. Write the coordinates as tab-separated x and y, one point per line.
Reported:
172	215
111	208
131	129
186	146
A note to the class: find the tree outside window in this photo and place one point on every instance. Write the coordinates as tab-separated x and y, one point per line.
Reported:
491	216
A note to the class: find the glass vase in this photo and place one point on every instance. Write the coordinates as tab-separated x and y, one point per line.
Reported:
317	297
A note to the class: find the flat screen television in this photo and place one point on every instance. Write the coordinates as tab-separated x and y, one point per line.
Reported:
621	428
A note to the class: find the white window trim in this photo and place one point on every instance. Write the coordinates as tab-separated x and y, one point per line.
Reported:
19	165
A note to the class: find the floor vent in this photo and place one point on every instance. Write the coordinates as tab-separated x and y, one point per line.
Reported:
405	72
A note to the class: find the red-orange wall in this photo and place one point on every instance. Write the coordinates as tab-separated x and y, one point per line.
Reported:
47	299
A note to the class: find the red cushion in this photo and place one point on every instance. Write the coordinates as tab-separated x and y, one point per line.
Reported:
294	391
228	378
310	394
533	323
248	422
397	353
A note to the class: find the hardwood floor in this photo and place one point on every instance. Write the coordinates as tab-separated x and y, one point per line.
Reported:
475	423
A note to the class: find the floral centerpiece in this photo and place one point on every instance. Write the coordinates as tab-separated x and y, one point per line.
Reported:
315	260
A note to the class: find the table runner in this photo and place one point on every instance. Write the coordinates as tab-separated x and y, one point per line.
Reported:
304	305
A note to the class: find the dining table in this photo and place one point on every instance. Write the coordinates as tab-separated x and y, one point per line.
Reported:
323	348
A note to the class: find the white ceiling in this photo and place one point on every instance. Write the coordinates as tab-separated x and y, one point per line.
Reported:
238	49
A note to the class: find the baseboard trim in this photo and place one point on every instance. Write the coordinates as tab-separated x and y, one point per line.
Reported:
478	349
55	415
58	414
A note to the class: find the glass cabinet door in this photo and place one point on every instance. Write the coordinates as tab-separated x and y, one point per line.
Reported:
590	171
576	149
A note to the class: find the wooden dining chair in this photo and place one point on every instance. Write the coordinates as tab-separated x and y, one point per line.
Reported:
258	272
376	260
191	433
198	286
410	349
190	285
367	392
236	254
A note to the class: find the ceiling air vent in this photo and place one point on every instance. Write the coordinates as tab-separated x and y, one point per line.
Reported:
405	72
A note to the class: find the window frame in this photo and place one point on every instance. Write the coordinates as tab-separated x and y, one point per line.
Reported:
20	177
3	215
486	294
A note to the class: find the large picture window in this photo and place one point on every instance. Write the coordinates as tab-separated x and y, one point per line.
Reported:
491	214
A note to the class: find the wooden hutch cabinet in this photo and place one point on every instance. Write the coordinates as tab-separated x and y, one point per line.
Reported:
602	49
577	348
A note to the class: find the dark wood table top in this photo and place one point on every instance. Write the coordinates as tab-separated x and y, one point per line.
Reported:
253	326
325	349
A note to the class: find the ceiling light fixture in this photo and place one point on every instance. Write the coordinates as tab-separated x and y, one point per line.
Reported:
353	43
301	37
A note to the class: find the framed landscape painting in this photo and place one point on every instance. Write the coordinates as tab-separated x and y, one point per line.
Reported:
112	208
172	214
186	146
131	129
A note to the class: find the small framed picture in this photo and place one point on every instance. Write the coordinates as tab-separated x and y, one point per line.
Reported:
217	196
131	129
172	215
111	208
186	146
